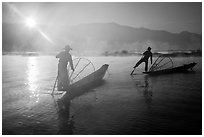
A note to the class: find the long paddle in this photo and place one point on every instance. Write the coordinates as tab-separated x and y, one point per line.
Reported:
132	71
134	68
54	86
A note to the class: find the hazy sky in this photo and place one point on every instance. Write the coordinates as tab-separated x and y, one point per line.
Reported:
172	17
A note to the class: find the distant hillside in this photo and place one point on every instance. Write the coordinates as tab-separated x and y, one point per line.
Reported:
101	37
112	36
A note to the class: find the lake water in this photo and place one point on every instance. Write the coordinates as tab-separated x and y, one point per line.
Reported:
138	105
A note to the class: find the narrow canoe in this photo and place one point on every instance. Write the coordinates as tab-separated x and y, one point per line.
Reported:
89	82
179	69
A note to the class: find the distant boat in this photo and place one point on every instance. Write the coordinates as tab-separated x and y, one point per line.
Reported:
80	87
180	69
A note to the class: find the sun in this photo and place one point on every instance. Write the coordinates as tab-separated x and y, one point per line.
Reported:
30	22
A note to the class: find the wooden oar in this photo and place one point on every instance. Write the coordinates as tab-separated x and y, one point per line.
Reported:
135	64
54	86
132	71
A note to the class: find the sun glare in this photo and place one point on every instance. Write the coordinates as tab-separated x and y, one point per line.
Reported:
33	79
30	22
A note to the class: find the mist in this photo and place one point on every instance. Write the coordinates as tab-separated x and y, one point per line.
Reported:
99	27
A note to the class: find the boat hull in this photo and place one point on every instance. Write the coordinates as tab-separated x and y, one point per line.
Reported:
89	82
180	69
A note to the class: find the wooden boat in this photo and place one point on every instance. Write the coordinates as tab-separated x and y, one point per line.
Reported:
89	82
179	69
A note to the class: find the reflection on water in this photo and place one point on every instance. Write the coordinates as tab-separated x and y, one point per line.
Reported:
66	121
32	75
145	86
147	91
121	106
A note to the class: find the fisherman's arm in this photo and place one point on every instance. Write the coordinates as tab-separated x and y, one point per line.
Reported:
151	58
71	63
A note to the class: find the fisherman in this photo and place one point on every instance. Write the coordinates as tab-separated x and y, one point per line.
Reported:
63	78
146	55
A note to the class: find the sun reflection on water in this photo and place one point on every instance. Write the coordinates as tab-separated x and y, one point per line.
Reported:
32	74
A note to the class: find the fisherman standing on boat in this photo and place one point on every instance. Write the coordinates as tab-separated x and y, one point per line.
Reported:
146	55
63	78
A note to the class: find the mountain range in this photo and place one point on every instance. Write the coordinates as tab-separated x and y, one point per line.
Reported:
97	38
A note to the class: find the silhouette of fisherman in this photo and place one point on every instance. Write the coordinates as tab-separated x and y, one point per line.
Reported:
146	55
63	78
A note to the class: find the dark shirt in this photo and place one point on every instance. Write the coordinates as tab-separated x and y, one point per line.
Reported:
64	58
147	54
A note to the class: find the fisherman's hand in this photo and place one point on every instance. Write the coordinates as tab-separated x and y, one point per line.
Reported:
72	69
